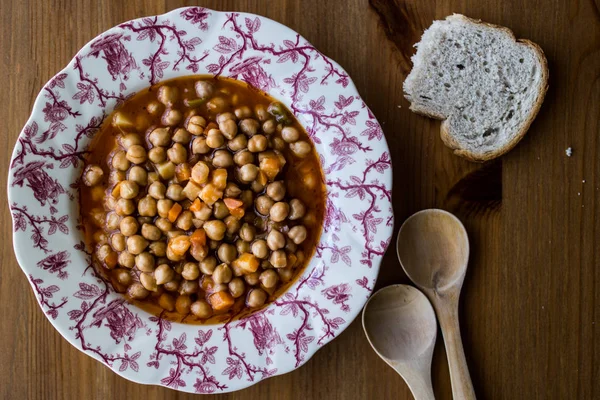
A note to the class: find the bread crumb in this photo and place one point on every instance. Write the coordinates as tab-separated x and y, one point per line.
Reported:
569	152
578	193
583	181
399	106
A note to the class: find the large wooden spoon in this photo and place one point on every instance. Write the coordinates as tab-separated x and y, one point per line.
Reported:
400	326
433	249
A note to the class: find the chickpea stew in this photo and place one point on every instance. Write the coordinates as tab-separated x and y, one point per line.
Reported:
203	199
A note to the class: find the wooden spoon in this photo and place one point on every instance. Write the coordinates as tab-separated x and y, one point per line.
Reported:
433	249
400	326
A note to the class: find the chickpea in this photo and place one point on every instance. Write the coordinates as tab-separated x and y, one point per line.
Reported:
167	302
227	253
222	117
215	229
175	192
158	249
252	279
128	226
173	285
129	139
269	278
220	210
124	207
298	234
163	274
214	139
222	159
151	232
238	143
92	175
201	309
243	157
242	246
168	95
103	251
137	154
208	265
117	241
116	176
183	304
278	143
228	128
138	175
112	221
222	274
144	220
279	211
199	146
171	117
236	287
188	287
243	112
232	190
285	274
148	281
290	134
163	224
163	206
137	291
276	190
275	240
123	276
126	259
100	236
216	104
190	271
278	259
256	298
157	155
154	108
160	137
257	143
177	154
247	232
259	249
147	206
128	189
263	204
261	112
269	127
248	172
249	126
301	148
145	262
136	244
182	136
232	225
120	161
157	190
290	245
204	89
184	221
297	209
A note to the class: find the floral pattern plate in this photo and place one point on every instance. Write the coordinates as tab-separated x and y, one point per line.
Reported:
44	200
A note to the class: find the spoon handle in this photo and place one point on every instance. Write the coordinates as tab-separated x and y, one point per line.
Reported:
462	387
421	387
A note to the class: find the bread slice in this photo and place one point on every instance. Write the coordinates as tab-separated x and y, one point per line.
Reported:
486	85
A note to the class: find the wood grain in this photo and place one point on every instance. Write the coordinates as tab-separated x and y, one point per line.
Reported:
530	308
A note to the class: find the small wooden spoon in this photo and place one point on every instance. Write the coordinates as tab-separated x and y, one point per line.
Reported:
400	326
433	249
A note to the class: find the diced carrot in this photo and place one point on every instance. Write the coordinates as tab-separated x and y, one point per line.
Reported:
261	178
179	245
196	205
219	178
232	203
116	192
198	237
111	260
247	262
210	194
221	301
210	126
270	166
183	172
237	213
174	212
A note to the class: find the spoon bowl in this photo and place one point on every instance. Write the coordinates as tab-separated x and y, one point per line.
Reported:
433	248
400	325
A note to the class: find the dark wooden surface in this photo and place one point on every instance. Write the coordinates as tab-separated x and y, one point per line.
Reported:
531	301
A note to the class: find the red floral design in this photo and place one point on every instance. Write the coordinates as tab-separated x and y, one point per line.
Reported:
56	263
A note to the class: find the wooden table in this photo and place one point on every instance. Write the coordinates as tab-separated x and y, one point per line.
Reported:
531	300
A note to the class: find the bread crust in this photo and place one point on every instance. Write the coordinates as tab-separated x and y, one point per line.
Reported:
447	136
